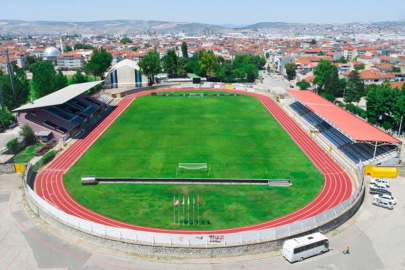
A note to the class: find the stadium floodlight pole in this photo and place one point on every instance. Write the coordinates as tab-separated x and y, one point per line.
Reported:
10	72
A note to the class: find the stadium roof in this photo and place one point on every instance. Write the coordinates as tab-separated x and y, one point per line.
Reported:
59	97
342	120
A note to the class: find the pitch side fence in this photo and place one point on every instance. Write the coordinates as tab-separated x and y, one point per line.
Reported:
197	240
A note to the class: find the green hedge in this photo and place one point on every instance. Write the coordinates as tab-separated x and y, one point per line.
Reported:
45	159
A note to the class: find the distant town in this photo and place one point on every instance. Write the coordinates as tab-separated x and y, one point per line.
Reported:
270	55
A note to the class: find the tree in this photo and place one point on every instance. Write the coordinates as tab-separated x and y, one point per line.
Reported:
43	75
184	49
6	118
182	67
79	46
360	67
341	60
68	48
99	63
251	71
170	64
13	145
125	40
373	111
290	70
313	42
29	61
267	55
320	72
396	69
60	81
45	80
220	60
268	69
238	74
28	134
303	84
21	89
387	125
208	63
134	49
331	80
355	87
383	101
150	65
256	60
79	77
226	73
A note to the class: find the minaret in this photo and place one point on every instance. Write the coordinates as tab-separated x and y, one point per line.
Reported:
61	44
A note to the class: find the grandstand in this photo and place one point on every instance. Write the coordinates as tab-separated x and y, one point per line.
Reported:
352	136
64	112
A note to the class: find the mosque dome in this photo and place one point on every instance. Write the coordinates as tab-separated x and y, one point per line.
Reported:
51	52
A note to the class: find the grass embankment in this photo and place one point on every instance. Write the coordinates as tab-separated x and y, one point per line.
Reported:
27	154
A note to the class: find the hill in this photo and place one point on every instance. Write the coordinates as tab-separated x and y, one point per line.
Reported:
100	27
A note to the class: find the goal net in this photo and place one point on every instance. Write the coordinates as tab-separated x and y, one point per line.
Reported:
202	167
197	95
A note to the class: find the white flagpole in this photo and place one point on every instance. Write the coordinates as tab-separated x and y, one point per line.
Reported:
178	216
174	209
183	210
188	210
198	196
193	209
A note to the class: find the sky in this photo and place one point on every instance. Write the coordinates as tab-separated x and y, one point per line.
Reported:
236	12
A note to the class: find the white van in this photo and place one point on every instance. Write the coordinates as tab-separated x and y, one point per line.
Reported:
298	249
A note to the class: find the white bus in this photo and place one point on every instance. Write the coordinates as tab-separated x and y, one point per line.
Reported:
298	249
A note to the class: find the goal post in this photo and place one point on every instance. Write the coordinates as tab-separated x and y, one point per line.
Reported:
193	167
198	95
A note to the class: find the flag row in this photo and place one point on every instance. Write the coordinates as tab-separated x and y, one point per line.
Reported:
177	202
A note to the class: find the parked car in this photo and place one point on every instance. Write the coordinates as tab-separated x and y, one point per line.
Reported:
384	204
377	185
386	197
379	191
380	181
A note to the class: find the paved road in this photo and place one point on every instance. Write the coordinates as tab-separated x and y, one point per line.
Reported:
8	135
274	83
375	236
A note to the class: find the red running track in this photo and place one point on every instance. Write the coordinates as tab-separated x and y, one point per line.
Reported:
337	187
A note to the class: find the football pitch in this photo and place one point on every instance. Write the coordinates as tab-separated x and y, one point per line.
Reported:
236	136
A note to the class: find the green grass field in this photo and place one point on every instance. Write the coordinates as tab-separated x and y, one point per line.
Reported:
236	136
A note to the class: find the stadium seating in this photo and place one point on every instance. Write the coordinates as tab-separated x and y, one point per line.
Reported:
354	151
105	98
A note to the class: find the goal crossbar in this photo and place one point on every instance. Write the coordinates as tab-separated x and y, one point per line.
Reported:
193	166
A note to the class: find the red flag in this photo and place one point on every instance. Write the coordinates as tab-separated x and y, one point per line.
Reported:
199	200
176	203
